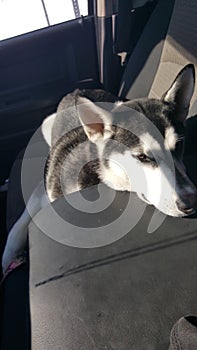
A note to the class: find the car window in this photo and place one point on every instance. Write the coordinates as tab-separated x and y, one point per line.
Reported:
22	16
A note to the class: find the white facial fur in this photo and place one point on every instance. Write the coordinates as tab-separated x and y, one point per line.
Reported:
116	175
125	172
46	128
170	138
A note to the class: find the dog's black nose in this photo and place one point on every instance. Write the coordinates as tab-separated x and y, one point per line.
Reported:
187	203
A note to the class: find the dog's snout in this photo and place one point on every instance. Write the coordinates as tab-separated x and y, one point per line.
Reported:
187	204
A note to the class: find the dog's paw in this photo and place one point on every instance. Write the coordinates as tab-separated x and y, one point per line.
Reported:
15	244
8	257
11	260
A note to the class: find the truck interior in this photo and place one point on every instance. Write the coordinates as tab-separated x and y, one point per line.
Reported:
130	293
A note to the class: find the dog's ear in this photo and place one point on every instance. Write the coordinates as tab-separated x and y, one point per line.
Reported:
96	121
181	91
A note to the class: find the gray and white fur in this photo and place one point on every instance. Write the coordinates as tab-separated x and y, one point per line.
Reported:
94	137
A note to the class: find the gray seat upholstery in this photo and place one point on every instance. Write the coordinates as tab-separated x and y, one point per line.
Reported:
129	294
166	45
126	295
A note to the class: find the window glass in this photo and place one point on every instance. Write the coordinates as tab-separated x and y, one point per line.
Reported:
22	16
65	10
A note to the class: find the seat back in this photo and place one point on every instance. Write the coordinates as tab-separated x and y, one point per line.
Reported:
166	45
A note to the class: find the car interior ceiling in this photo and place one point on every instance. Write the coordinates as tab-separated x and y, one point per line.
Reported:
126	295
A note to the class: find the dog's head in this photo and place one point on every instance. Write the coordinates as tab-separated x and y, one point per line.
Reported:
141	143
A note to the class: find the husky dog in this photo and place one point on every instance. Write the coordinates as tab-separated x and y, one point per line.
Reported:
117	148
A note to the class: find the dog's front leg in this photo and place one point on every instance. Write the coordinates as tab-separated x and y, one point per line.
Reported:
16	240
18	234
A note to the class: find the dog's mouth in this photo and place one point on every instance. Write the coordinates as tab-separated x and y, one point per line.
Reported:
145	199
190	212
